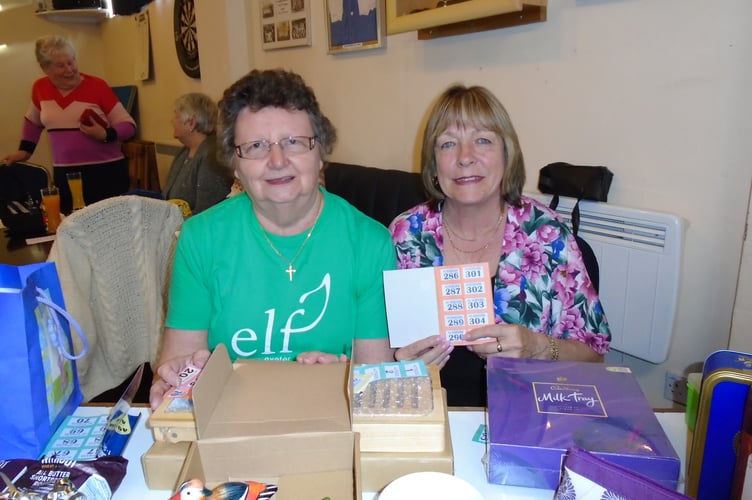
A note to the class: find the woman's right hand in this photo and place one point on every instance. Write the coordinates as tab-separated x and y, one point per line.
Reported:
432	350
19	155
167	375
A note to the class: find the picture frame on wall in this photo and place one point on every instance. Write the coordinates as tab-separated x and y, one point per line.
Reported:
411	15
285	23
354	25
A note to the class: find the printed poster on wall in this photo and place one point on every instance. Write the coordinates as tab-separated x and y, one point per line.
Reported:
285	23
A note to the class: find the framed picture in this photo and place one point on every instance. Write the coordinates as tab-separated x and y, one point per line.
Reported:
411	15
285	23
354	25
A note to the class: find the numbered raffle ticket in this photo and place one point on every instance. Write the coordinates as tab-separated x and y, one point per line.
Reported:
86	438
465	299
443	300
77	438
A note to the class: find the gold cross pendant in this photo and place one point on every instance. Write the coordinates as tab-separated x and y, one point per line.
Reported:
290	271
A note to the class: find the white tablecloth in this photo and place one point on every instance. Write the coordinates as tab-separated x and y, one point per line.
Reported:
467	456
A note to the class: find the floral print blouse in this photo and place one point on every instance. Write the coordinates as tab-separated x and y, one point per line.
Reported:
541	281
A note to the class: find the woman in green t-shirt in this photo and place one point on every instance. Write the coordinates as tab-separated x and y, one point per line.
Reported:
286	270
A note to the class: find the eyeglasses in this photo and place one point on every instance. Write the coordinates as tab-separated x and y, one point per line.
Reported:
260	149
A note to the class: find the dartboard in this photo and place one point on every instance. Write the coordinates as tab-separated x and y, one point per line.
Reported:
186	38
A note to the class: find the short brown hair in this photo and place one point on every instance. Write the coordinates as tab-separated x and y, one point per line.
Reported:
274	88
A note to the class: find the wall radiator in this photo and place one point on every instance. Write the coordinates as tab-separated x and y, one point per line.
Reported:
639	257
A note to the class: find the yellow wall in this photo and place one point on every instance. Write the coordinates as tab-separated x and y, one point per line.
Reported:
19	28
167	81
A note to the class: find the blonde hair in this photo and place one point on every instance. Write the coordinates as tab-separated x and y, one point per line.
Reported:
47	47
479	107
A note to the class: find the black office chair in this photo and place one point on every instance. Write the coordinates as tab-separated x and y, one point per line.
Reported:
20	196
588	255
591	262
21	180
379	193
128	95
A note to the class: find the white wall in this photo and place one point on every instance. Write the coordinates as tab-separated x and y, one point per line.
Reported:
654	90
741	336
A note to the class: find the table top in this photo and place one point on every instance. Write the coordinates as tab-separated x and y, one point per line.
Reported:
15	251
468	455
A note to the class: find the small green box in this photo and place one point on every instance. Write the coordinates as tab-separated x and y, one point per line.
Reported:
694	382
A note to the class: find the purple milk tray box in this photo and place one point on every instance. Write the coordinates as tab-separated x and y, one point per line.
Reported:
539	409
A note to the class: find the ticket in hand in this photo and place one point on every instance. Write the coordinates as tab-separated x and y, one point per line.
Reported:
173	420
179	399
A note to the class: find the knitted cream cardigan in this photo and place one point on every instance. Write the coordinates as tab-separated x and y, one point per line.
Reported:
112	258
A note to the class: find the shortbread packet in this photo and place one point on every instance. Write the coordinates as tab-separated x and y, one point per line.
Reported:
94	479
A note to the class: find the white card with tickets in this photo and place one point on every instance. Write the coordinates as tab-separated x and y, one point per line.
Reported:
442	300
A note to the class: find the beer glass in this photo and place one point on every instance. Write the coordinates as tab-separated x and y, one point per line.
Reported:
51	207
77	190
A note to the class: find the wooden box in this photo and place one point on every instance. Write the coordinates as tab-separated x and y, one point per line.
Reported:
409	433
173	423
378	469
162	463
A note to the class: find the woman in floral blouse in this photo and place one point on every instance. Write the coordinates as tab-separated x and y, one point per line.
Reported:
545	305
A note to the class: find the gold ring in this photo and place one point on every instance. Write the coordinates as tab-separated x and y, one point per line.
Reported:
498	346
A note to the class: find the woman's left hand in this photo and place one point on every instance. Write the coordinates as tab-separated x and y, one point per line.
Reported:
511	341
320	358
95	131
432	350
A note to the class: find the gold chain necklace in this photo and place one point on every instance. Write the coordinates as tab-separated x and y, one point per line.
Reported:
477	250
291	270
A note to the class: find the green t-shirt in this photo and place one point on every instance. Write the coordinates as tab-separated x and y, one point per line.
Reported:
228	280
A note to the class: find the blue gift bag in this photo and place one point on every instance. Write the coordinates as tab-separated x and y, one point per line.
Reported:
38	377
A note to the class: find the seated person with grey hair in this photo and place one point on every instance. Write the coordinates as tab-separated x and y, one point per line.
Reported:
196	175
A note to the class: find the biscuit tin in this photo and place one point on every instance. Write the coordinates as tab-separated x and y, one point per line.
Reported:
726	377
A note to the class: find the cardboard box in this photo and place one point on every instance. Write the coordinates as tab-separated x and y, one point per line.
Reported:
381	468
726	379
538	409
409	433
162	463
274	422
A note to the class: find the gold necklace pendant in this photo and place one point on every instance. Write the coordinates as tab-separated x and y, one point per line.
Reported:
483	247
290	269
